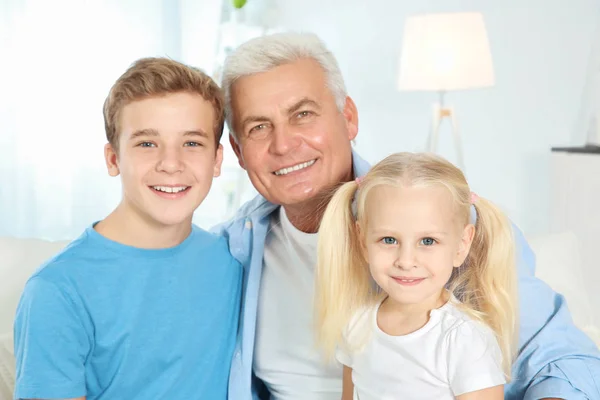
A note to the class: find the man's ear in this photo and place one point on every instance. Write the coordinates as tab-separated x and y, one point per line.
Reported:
350	113
111	158
237	150
464	246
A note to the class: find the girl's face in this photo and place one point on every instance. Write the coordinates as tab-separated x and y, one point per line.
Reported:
413	241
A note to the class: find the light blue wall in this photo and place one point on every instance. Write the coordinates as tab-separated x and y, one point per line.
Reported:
540	50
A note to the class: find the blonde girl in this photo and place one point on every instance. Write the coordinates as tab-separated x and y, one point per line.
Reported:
416	285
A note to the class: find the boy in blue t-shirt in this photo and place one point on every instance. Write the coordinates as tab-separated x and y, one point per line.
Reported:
143	305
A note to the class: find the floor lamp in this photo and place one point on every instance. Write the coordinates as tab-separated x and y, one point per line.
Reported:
441	53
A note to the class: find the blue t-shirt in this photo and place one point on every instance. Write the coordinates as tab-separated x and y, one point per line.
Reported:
109	321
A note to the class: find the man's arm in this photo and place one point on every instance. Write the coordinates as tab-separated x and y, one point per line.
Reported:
51	343
556	359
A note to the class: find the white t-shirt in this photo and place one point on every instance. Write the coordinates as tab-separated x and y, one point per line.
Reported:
285	355
451	355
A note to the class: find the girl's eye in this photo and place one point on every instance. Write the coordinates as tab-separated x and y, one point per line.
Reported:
193	144
389	240
427	241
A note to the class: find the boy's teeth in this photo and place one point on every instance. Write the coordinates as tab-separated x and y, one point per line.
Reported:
168	189
284	171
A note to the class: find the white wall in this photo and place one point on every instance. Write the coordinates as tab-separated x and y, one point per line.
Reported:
540	50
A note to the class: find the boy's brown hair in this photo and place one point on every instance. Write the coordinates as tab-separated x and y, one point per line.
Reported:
151	77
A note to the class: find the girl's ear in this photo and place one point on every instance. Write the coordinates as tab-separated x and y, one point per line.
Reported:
466	239
360	235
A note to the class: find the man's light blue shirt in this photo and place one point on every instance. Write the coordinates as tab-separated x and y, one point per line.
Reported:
555	358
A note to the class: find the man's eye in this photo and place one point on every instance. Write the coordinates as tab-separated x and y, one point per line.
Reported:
256	128
389	240
303	114
427	241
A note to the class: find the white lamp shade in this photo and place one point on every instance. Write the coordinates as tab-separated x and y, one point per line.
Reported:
442	52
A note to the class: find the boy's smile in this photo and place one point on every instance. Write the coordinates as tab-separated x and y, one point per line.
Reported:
170	191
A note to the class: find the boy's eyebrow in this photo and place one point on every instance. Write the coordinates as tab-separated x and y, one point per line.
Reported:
198	132
154	132
143	132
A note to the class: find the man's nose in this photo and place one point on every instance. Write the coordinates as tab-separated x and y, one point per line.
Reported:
285	139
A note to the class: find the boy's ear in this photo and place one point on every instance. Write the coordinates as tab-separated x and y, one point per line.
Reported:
218	161
464	246
111	158
237	150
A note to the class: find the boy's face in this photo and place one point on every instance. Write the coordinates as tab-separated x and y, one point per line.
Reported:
167	157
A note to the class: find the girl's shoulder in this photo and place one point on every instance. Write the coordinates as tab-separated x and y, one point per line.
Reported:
362	318
459	326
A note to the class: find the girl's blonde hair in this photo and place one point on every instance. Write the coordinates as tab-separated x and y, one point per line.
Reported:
485	284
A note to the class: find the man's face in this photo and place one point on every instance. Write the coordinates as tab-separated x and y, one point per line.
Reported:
292	139
167	157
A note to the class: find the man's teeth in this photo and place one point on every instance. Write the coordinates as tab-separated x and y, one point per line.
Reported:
285	171
168	189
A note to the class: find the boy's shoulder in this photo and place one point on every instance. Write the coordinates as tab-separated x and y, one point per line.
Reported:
79	251
211	243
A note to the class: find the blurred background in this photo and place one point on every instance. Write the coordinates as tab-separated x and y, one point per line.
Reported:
59	59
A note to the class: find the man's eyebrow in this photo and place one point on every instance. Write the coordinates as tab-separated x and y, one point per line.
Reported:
254	118
301	103
290	110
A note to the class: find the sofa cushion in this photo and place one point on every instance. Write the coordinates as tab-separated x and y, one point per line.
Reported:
558	263
7	367
20	258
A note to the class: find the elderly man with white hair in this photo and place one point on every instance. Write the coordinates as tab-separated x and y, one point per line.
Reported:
292	125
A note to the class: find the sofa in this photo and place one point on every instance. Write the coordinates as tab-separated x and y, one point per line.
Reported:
557	255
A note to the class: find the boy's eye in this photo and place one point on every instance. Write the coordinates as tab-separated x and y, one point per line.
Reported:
193	144
389	240
427	241
146	144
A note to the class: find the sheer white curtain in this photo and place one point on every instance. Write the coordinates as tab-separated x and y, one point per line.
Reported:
59	59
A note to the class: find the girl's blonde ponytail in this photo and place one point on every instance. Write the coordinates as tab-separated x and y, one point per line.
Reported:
486	284
342	279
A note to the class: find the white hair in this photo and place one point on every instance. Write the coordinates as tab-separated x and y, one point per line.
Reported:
264	53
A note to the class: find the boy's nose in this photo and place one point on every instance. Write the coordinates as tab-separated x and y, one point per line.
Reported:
170	161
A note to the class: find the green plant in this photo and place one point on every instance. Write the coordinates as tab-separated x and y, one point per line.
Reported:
238	3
